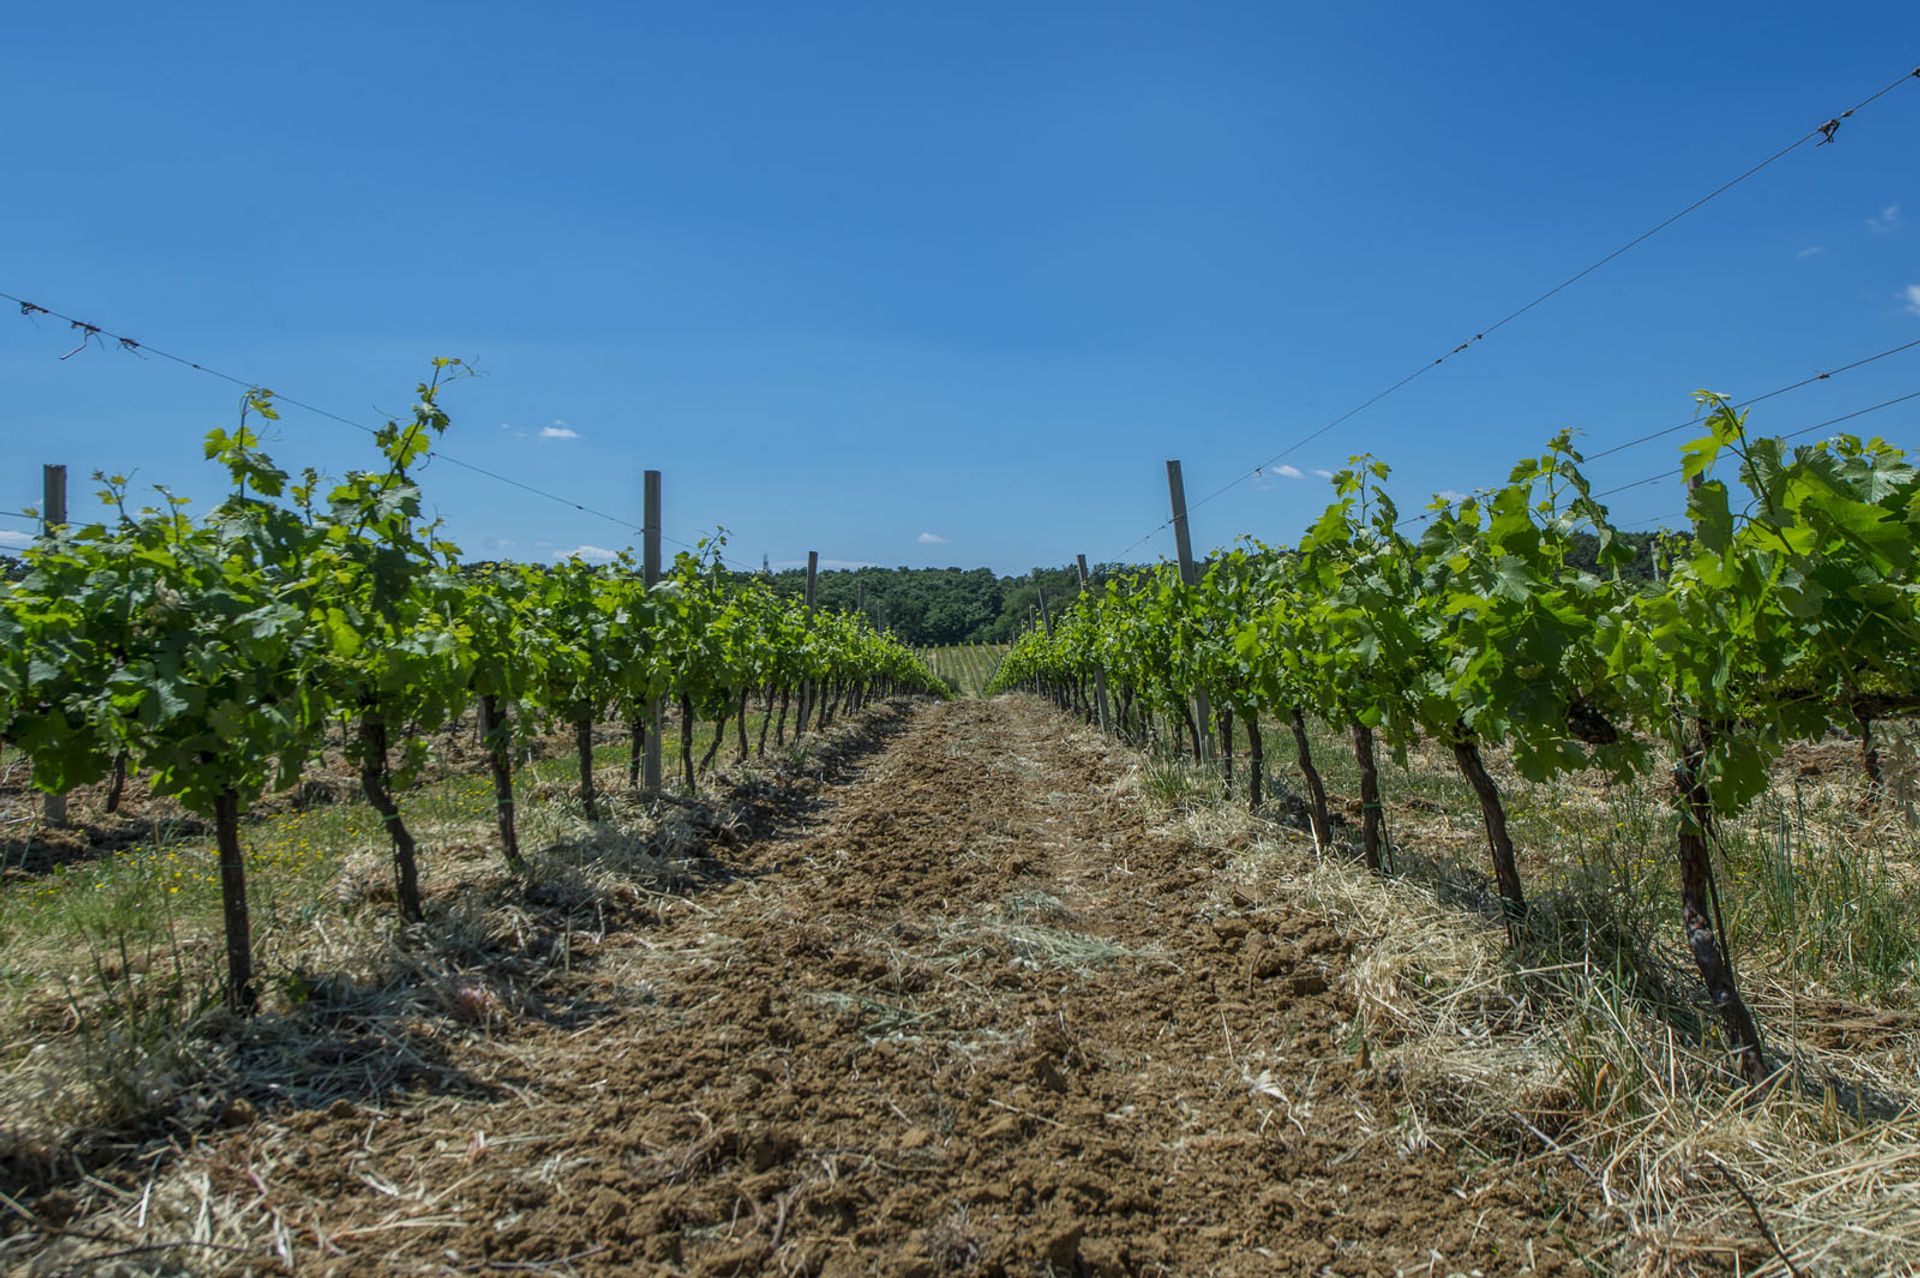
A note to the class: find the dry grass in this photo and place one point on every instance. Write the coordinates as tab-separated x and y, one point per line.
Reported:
1588	1048
1593	1044
116	1060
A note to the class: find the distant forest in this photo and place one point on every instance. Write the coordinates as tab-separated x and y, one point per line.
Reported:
930	607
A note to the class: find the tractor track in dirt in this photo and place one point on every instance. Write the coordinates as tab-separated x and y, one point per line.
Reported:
969	1017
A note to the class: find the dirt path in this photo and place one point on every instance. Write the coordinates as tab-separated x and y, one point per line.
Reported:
970	1020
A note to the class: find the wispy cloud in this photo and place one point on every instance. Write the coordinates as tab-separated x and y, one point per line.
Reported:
1889	220
1448	494
1811	250
558	430
1913	299
1324	474
931	539
835	564
14	540
1261	474
591	554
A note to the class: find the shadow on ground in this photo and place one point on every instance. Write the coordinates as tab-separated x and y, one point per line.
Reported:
166	1062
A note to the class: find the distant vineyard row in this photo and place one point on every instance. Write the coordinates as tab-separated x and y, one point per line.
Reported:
967	668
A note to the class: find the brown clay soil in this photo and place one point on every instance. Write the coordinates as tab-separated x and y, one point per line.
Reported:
977	1015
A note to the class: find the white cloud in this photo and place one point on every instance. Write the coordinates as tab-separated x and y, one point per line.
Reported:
1324	474
1291	472
559	431
931	539
783	564
592	554
1811	250
1889	219
15	540
1448	494
1913	298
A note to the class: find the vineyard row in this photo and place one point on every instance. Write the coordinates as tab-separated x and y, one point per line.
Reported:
210	654
1788	613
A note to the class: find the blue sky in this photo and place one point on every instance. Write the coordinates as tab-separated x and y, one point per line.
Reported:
916	284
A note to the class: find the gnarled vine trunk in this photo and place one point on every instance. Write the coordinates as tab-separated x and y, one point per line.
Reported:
1869	761
1466	754
374	781
1193	731
1316	789
1226	747
495	731
1699	911
583	746
687	727
1369	797
1256	762
241	995
119	786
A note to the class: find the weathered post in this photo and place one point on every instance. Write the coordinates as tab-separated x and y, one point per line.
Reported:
53	488
808	693
650	567
1099	671
1183	546
53	509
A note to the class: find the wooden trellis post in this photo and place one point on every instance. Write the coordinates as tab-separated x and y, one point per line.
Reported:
1099	671
53	512
808	692
650	566
1183	546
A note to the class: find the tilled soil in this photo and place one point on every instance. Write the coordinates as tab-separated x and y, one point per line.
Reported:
980	1016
